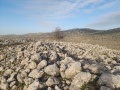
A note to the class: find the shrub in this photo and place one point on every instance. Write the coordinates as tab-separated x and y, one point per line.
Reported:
58	34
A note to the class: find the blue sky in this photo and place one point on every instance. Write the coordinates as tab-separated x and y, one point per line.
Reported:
31	16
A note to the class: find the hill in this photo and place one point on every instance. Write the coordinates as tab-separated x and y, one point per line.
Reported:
109	38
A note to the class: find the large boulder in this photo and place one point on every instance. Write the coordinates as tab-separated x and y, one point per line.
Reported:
110	80
52	70
79	80
73	69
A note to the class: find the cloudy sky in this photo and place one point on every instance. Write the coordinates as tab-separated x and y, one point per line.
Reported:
31	16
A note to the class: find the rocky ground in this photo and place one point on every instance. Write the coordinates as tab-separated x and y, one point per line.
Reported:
50	65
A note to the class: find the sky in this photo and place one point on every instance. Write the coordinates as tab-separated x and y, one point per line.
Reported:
33	16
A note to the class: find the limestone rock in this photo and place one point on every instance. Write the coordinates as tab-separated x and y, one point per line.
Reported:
110	80
36	85
36	73
52	70
32	65
79	80
73	70
52	81
12	77
67	60
104	88
42	64
8	72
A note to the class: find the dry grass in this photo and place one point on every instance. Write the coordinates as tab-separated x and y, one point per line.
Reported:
109	41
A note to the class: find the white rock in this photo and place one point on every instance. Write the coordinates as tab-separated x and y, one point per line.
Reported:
36	85
49	88
36	57
63	67
28	81
53	56
19	78
67	60
57	88
23	74
25	87
73	70
52	81
1	68
4	84
14	87
8	72
79	80
12	83
104	88
36	73
42	64
12	77
52	70
93	68
32	65
12	60
25	61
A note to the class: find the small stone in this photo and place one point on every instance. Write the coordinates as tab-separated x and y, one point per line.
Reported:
49	88
53	56
14	87
36	85
104	88
57	88
1	69
8	72
19	78
12	83
36	73
28	81
52	81
32	65
12	77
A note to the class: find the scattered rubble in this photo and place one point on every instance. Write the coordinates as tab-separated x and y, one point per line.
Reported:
45	65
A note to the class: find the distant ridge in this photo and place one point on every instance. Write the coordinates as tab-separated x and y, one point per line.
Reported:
78	31
74	31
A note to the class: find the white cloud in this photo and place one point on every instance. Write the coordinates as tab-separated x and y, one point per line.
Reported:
109	4
106	19
53	8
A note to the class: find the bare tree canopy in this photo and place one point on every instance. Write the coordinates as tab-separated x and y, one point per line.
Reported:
58	34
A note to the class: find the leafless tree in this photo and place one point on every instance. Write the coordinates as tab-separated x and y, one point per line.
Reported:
58	34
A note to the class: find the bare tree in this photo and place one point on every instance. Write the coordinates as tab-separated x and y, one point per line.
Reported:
58	34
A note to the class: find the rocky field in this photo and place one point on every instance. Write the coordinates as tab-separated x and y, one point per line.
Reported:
51	65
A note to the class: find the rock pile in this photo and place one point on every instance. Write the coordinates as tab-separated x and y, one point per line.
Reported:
59	66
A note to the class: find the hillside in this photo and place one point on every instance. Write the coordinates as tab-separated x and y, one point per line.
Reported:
109	38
